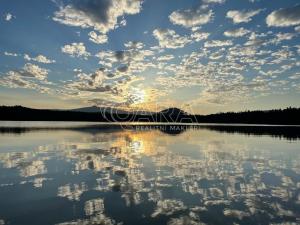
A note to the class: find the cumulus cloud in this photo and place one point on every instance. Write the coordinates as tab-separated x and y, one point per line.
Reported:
30	77
168	207
217	43
283	37
132	53
165	58
111	85
214	1
93	82
133	59
98	77
284	17
199	36
242	16
236	213
101	15
8	17
39	58
255	40
76	50
29	71
191	17
296	76
298	50
98	38
34	71
237	32
169	39
192	219
134	45
96	218
14	80
11	54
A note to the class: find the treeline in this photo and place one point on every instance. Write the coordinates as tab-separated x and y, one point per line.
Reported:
289	116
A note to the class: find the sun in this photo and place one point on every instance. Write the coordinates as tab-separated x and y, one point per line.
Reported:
138	96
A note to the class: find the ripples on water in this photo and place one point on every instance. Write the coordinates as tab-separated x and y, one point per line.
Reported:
149	175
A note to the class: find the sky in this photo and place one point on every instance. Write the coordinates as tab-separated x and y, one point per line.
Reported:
204	56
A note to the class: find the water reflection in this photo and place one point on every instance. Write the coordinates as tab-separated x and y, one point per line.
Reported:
117	176
278	131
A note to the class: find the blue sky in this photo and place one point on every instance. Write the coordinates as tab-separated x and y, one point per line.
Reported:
204	56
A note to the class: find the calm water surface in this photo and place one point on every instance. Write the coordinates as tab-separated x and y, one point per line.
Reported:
148	175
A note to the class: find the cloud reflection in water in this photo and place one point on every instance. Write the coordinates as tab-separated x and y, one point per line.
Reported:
196	177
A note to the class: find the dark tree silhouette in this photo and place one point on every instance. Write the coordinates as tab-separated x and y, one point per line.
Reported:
288	116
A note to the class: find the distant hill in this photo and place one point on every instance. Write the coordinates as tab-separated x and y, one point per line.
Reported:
97	109
288	116
173	115
91	109
173	111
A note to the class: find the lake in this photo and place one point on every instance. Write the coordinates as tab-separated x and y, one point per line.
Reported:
139	174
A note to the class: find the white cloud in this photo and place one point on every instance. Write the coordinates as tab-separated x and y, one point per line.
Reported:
30	71
165	58
30	76
76	50
236	213
11	54
284	17
191	17
192	219
199	36
242	16
214	1
255	40
133	60
169	39
123	23
236	33
90	82
14	80
298	49
168	207
97	218
295	76
284	36
98	38
217	43
134	45
8	17
34	71
101	15
39	58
